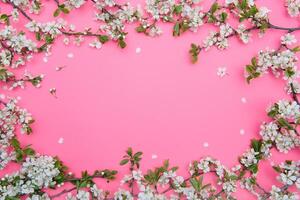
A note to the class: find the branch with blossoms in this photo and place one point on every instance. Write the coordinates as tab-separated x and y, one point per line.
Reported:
186	15
245	12
40	177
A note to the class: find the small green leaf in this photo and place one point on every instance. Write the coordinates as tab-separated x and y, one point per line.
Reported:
253	168
176	29
103	38
124	162
195	183
138	154
122	43
284	123
129	151
177	9
256	145
223	16
56	12
15	143
254	61
65	10
277	169
38	36
214	8
296	49
194	52
29	151
140	29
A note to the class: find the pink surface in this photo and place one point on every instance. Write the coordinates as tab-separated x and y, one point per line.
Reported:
154	101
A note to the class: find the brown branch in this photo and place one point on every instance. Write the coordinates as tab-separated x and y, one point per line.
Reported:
20	10
62	193
294	94
289	29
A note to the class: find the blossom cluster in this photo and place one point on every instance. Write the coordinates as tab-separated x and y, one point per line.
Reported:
293	7
11	117
161	183
112	19
36	173
283	130
15	43
281	62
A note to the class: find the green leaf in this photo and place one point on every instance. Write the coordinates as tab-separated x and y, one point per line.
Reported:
252	11
277	169
38	36
177	9
12	198
140	29
103	38
243	4
15	143
166	164
176	29
49	39
256	145
289	72
36	80
223	16
5	18
56	12
138	154
253	168
124	161
194	182
272	113
242	174
214	8
194	52
65	10
122	43
296	49
284	123
129	151
3	74
251	70
29	151
19	155
254	61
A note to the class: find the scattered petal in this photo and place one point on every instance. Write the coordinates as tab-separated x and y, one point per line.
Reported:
244	100
222	71
60	68
70	55
138	50
205	144
60	140
45	59
242	132
53	92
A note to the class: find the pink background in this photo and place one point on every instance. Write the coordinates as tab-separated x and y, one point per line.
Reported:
154	101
